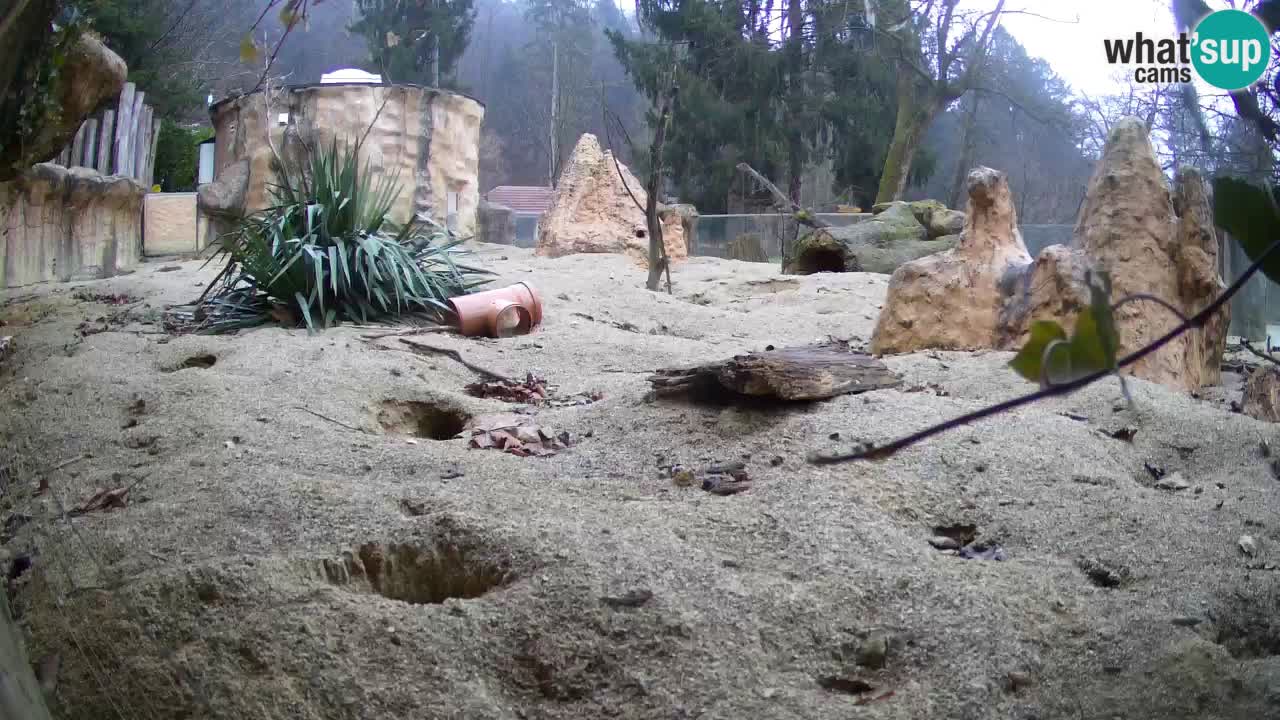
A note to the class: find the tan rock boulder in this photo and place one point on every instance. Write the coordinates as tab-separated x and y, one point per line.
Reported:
953	299
595	212
1153	241
90	74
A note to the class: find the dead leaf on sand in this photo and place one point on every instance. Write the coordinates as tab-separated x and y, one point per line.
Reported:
514	434
103	499
533	390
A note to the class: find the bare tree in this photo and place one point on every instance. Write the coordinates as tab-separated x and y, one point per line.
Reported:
936	68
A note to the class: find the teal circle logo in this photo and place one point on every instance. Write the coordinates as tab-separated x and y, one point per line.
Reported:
1231	49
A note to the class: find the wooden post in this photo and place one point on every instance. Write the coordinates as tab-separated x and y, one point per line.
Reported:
91	143
77	147
151	159
124	124
136	141
106	135
144	142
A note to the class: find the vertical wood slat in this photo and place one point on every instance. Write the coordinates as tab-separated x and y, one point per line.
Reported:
106	132
124	117
155	141
77	147
139	140
91	143
135	139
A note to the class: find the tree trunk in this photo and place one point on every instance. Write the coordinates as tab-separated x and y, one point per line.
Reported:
657	249
967	146
24	35
917	108
555	113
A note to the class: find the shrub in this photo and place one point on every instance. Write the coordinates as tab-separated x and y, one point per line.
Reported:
327	251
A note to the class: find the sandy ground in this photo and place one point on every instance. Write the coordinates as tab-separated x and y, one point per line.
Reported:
587	584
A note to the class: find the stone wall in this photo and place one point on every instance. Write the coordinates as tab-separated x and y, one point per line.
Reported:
68	224
427	138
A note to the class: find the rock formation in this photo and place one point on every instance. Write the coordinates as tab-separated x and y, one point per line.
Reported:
937	219
68	224
595	212
898	233
1152	241
495	223
90	74
223	200
427	139
952	300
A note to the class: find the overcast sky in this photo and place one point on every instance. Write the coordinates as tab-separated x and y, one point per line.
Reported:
1072	40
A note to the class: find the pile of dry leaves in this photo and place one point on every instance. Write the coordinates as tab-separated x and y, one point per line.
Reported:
515	434
532	391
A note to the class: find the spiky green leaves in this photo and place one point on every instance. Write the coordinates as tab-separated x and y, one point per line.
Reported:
328	250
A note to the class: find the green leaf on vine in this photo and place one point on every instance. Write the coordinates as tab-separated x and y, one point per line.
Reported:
1050	358
248	50
1248	212
1029	361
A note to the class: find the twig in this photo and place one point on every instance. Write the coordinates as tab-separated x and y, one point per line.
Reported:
66	463
802	216
410	331
873	452
1265	356
339	423
457	357
608	141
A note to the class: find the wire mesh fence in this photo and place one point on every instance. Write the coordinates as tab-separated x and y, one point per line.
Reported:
1255	311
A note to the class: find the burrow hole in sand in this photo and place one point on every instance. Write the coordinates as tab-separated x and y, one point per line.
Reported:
1248	623
203	361
816	261
418	574
421	419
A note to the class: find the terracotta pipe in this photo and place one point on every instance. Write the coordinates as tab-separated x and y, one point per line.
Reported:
502	312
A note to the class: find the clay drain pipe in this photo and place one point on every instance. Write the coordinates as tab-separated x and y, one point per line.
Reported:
502	312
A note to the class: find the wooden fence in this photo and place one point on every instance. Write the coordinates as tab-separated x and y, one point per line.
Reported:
120	139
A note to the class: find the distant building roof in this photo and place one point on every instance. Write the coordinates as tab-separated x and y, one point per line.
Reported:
530	200
350	75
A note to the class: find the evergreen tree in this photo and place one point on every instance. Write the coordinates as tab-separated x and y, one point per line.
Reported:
416	41
779	97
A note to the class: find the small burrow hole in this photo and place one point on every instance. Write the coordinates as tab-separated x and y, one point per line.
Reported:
419	574
203	361
1247	624
962	533
421	419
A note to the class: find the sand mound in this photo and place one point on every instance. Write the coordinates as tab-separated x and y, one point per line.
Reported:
299	542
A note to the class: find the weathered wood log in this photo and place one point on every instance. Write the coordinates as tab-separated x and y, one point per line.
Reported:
813	372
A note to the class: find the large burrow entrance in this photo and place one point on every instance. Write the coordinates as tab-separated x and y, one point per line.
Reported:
816	260
420	574
422	419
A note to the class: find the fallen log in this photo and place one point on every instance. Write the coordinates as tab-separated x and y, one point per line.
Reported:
813	372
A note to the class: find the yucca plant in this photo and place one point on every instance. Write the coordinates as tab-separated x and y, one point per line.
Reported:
326	251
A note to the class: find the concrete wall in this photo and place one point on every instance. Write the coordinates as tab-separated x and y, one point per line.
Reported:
68	224
171	225
427	139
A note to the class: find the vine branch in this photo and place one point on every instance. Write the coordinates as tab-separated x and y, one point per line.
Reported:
872	452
